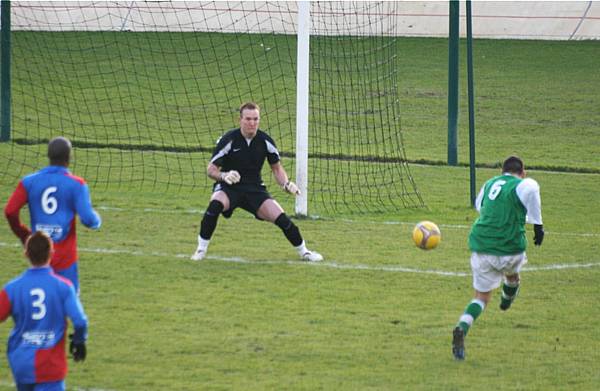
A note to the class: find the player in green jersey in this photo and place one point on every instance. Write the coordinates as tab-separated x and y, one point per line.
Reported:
497	241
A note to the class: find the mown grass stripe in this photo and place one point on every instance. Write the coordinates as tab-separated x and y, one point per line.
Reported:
349	221
324	156
330	264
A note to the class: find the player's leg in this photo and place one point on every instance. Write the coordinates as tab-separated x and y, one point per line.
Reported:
72	274
470	314
270	210
510	290
219	202
473	310
51	386
511	284
485	279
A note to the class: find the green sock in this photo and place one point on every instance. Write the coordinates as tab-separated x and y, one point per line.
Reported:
510	290
509	293
473	310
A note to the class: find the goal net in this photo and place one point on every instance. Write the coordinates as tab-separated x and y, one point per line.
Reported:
145	89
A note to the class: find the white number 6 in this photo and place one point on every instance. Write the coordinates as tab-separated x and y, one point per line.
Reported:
49	203
38	302
495	190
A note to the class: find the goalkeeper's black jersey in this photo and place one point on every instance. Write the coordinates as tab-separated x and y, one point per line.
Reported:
235	152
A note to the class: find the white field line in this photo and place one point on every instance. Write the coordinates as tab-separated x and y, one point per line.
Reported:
349	221
330	264
12	385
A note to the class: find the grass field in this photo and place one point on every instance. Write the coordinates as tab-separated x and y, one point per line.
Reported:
377	314
525	90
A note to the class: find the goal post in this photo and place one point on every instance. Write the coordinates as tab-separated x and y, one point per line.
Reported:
302	102
5	71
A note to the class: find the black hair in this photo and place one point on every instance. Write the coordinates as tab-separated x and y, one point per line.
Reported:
59	151
513	165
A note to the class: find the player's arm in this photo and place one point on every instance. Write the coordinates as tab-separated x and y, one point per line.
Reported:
479	199
528	192
279	173
230	177
213	172
216	162
5	306
282	179
75	312
83	205
12	209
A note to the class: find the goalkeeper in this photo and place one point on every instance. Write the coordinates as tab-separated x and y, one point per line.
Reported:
497	241
236	165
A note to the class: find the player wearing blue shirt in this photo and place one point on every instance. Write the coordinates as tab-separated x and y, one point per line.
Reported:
54	196
39	302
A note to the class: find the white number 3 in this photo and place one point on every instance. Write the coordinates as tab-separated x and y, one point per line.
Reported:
38	303
495	190
49	203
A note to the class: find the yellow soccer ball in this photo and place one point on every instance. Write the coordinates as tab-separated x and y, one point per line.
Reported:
426	235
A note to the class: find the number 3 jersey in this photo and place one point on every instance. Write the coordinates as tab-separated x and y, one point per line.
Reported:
40	302
54	197
505	204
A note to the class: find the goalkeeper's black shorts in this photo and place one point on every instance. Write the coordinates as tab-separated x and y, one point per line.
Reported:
243	195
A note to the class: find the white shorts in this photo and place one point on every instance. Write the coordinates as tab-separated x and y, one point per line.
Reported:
488	269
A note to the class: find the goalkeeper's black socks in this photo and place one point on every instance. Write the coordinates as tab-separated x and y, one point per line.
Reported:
290	230
209	221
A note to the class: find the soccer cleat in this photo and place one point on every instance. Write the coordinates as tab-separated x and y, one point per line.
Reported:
506	300
505	303
458	343
312	256
198	255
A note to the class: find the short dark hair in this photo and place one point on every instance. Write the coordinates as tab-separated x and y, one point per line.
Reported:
248	106
59	151
38	248
513	165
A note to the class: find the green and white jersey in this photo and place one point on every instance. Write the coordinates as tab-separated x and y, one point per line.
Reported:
505	204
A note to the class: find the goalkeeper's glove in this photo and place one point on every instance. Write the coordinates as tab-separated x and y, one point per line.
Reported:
77	349
538	236
291	188
230	177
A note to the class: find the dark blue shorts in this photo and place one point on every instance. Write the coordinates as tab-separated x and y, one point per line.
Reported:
50	386
72	274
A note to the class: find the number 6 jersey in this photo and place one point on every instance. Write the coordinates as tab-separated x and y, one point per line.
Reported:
505	203
54	197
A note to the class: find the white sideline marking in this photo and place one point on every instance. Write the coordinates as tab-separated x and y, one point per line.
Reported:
332	264
335	265
349	221
560	266
12	385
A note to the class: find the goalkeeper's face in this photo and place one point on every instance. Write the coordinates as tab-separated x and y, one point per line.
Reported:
249	122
